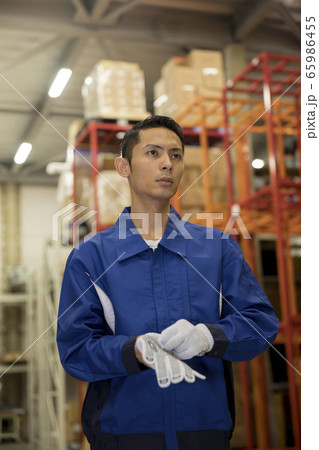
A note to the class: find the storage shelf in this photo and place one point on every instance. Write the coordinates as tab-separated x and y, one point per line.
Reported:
16	368
13	298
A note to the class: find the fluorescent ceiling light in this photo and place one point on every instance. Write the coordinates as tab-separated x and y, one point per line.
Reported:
22	153
258	163
60	82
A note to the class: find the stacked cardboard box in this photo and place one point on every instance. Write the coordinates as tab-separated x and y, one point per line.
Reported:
183	78
115	90
193	200
209	65
113	195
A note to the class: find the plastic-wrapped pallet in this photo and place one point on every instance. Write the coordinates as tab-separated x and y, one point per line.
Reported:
209	64
113	195
183	78
115	90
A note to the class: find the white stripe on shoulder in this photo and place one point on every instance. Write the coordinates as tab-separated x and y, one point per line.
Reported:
106	304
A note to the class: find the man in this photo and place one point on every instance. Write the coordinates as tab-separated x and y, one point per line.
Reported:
153	309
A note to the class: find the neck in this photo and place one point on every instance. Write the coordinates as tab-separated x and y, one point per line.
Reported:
150	219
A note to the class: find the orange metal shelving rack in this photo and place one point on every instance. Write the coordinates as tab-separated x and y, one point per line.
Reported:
263	98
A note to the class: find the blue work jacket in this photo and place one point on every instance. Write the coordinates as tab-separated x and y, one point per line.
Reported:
115	287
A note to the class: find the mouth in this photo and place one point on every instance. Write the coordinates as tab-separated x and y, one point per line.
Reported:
165	181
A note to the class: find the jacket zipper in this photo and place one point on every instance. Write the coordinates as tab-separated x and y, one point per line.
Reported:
168	394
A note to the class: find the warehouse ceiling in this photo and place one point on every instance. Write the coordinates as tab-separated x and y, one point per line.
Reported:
39	37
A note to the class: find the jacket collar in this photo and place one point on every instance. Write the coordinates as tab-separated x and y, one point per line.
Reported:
129	242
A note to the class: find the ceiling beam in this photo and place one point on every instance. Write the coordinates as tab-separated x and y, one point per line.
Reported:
76	114
254	16
288	19
144	32
113	17
200	6
41	112
107	47
81	13
31	53
99	9
98	17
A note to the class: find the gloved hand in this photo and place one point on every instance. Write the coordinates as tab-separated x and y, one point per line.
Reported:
168	368
186	340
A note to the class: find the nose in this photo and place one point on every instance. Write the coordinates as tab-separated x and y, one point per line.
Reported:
166	163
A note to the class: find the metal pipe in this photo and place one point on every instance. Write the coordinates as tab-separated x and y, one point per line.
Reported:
246	405
93	127
230	186
281	250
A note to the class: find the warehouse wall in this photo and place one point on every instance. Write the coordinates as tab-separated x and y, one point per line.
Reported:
1	240
37	204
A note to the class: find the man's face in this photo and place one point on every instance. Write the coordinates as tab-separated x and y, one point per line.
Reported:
157	164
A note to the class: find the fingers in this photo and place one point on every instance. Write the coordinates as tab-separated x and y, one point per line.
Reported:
170	343
183	352
168	368
175	335
189	374
145	344
176	370
199	375
162	370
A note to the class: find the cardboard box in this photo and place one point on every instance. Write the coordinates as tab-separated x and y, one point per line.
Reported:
193	170
184	78
113	195
159	88
188	77
160	97
214	93
106	161
182	86
212	78
210	65
205	58
172	63
114	90
74	128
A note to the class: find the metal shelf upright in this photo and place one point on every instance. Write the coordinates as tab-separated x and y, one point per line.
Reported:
96	136
264	98
203	118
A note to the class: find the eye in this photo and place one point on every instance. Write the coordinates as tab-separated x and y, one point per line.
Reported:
176	156
152	152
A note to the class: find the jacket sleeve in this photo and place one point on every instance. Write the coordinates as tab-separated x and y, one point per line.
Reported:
248	325
88	349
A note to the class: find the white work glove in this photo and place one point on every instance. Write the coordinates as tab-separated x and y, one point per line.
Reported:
168	368
186	340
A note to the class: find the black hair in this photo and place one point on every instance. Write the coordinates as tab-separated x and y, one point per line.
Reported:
132	136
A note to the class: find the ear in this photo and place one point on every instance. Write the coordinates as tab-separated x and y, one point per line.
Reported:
122	166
